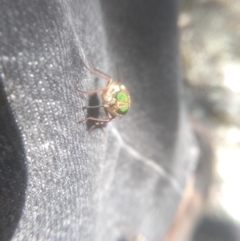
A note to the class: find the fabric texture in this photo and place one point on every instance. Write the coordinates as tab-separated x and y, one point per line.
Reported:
58	182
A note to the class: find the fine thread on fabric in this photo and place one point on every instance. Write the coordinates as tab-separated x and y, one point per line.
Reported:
149	162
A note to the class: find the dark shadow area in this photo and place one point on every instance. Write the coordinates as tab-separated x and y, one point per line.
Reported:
94	112
13	170
213	229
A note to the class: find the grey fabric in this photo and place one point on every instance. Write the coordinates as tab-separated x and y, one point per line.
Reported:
109	185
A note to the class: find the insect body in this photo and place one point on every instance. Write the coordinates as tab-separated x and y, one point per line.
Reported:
115	98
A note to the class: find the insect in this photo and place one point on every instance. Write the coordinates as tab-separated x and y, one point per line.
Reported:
115	98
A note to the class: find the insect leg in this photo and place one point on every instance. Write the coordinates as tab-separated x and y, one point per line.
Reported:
107	114
97	124
96	119
98	72
91	92
92	107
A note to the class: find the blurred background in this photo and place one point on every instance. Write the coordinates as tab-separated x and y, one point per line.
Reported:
210	51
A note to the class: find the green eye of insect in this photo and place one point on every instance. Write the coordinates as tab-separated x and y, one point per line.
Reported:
123	101
122	97
115	98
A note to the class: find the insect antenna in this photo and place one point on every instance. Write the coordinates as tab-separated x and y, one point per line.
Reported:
118	75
